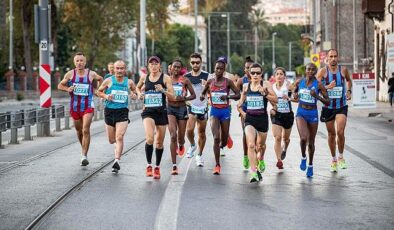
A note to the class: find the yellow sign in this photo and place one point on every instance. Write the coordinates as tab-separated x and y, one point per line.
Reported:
315	60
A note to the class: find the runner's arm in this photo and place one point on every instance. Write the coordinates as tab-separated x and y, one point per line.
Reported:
271	96
63	84
100	92
349	83
325	100
205	90
170	90
139	86
133	90
241	101
189	87
236	95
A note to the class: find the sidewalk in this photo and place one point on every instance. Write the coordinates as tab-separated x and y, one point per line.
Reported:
382	110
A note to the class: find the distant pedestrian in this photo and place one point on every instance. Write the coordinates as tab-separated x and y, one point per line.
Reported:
115	91
391	89
78	82
111	70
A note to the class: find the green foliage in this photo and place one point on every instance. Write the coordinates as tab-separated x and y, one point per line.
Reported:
20	96
237	63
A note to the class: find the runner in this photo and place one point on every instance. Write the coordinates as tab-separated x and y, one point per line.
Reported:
307	91
154	88
282	116
333	77
78	82
198	110
219	86
256	94
240	83
115	91
177	112
111	70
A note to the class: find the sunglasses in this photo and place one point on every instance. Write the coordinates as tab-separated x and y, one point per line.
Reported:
255	73
195	62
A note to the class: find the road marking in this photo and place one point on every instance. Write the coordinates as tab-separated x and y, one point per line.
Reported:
167	216
364	157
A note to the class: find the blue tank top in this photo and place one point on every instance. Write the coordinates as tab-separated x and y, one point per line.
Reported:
245	80
82	96
256	104
120	93
337	95
304	92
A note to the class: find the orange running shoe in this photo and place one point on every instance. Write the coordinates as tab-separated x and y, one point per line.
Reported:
216	170
156	173
174	170
229	142
181	151
149	172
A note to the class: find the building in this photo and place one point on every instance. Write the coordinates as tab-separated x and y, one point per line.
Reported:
296	16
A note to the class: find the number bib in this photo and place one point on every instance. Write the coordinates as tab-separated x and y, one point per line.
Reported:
283	106
119	96
154	99
215	97
81	89
198	109
177	90
335	93
305	96
254	102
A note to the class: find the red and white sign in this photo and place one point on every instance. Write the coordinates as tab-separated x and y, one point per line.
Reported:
45	86
364	90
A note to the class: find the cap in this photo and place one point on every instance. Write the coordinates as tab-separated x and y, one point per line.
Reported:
222	59
154	58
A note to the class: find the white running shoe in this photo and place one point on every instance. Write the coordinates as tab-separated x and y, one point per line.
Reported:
84	160
222	152
191	150
199	161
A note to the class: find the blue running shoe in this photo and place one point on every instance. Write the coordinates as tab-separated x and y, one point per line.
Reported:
309	172
303	164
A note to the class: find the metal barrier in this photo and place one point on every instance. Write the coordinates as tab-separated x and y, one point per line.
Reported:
17	120
58	113
43	122
3	127
30	119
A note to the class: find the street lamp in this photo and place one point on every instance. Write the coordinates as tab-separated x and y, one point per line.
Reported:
273	50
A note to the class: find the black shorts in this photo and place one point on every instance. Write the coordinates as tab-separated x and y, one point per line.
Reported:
330	114
158	115
260	122
113	116
180	112
286	120
199	116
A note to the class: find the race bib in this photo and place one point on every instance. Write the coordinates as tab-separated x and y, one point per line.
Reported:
283	106
81	89
198	109
119	96
254	102
305	96
153	99
335	93
215	97
177	90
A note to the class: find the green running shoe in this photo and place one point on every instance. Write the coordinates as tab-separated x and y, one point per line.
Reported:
334	167
254	177
259	175
341	163
245	162
261	166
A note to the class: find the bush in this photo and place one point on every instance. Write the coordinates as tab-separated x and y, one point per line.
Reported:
20	96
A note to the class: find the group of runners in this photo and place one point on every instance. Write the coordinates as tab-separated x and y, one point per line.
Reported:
185	102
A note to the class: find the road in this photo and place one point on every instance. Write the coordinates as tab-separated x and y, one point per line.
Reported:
360	197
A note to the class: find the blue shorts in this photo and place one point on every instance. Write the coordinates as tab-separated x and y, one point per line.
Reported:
309	115
222	114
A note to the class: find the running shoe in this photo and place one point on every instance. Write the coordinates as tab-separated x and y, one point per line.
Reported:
309	172
199	160
303	164
156	173
341	163
229	142
259	175
174	170
149	171
191	150
261	165
115	167
254	177
245	162
181	150
222	152
84	160
283	155
334	166
216	170
279	164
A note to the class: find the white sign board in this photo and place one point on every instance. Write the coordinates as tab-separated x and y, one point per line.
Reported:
44	45
364	90
390	54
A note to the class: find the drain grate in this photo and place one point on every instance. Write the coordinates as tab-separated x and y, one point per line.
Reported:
374	115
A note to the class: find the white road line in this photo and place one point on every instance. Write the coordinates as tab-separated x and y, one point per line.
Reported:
167	215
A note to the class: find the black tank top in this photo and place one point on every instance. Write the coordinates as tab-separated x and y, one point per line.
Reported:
154	101
256	104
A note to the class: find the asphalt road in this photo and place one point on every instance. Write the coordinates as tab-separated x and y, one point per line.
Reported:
360	197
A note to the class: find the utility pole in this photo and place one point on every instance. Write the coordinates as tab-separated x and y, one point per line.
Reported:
11	46
228	41
195	26
355	58
142	32
290	56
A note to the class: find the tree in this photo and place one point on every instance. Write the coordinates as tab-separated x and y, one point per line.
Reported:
27	15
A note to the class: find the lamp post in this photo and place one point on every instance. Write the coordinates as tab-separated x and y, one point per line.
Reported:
195	26
273	50
11	17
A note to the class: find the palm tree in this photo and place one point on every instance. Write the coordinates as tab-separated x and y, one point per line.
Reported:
260	26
